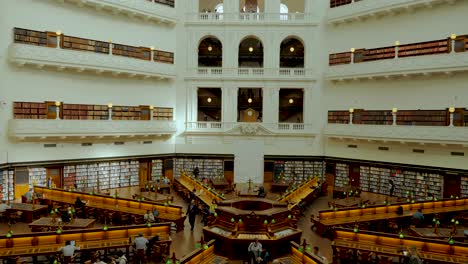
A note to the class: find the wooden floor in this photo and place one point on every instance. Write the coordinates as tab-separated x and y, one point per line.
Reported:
184	241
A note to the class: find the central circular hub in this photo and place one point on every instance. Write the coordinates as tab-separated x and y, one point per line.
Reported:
252	205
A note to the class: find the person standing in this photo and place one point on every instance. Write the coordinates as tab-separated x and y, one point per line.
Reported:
140	247
392	187
192	213
255	249
68	251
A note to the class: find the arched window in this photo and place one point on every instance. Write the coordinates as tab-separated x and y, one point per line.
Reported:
210	53
291	53
284	10
251	53
219	8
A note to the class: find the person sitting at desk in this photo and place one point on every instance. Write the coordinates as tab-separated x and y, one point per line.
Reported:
4	207
155	214
68	251
261	192
149	217
29	195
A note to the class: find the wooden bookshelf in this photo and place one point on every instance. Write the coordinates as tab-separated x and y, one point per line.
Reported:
336	3
441	46
339	58
384	53
34	110
126	113
424	48
404	117
33	37
85	112
170	3
376	117
29	110
49	39
163	113
131	51
461	43
82	44
338	117
164	56
422	117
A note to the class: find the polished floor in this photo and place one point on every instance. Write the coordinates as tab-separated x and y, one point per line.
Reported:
184	241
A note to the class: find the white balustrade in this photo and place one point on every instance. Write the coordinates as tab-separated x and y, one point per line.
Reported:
206	17
228	127
253	72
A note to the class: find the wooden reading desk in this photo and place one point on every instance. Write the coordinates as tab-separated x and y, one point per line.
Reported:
383	244
30	211
48	224
48	243
306	192
152	186
300	255
169	213
279	187
208	194
443	233
156	197
204	256
329	218
220	184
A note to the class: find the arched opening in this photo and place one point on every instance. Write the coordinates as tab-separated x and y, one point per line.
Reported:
251	53
294	6
209	104
291	105
291	53
284	10
252	6
249	105
210	53
210	6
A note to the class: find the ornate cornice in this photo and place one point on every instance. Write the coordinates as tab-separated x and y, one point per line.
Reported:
147	10
62	59
371	8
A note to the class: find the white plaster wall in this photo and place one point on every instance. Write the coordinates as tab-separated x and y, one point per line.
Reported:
38	85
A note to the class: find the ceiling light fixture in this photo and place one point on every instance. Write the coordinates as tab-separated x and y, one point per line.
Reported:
291	100
250	49
208	100
249	100
210	48
291	49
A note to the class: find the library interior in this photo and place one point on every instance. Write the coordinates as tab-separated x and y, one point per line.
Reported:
233	131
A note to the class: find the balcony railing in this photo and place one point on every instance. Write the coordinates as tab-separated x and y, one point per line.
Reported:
342	11
251	18
251	128
64	51
266	73
64	130
402	134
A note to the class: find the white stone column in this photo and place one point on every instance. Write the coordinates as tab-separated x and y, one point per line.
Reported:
271	51
230	51
231	8
272	7
229	103
270	104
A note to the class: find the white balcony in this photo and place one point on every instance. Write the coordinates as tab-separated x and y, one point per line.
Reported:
400	67
251	18
373	8
147	10
404	134
301	74
64	59
250	129
65	130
